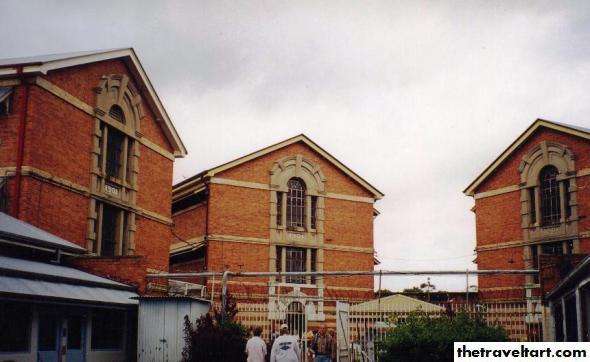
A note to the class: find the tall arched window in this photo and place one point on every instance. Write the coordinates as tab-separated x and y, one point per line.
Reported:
296	203
550	198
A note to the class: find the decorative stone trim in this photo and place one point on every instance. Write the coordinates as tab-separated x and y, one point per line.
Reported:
332	195
559	156
86	108
496	192
261	186
79	189
303	244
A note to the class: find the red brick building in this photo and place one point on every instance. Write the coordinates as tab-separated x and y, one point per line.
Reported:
530	202
288	207
86	153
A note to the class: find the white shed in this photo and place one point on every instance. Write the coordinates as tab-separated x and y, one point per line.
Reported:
160	335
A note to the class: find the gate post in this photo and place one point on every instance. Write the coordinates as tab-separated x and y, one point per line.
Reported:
342	332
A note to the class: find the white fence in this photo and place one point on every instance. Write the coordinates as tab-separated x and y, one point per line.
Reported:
368	326
359	328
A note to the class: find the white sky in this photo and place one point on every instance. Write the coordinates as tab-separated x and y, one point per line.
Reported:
416	97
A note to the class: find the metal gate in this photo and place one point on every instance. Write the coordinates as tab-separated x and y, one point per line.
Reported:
253	315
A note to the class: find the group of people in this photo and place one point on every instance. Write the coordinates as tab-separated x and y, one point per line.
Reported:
285	348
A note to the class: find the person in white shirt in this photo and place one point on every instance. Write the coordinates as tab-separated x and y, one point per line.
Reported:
285	348
255	347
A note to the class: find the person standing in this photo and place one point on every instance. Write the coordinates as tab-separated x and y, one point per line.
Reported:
255	347
322	346
285	348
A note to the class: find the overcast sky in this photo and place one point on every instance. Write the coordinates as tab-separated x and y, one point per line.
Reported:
416	97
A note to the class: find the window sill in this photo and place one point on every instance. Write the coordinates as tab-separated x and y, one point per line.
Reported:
294	285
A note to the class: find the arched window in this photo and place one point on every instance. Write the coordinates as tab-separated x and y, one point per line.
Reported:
116	113
296	203
550	198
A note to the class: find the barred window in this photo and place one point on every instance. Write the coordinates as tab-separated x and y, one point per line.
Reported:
550	199
314	205
296	203
114	153
279	208
533	205
295	262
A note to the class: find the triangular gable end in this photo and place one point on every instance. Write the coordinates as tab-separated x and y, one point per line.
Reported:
299	138
561	127
46	63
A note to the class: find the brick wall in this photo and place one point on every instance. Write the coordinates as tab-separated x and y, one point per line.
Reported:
58	142
245	212
498	218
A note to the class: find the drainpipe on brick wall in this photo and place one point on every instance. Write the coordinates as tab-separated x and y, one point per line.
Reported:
20	144
206	237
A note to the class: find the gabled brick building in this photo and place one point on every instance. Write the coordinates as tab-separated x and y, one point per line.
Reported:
86	153
532	201
288	207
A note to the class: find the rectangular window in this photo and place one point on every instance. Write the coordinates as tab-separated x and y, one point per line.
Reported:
571	319
15	327
566	192
552	248
558	322
108	327
6	98
279	208
114	153
313	264
314	205
48	331
295	262
279	264
109	230
569	247
533	206
535	257
112	230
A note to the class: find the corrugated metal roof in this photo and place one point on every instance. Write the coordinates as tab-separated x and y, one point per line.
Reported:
396	302
39	270
18	230
37	59
46	289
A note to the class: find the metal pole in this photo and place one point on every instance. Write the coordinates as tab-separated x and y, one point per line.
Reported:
467	288
224	279
347	273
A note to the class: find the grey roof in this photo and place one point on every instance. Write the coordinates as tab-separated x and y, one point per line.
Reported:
71	292
20	231
579	272
22	277
39	59
35	269
579	128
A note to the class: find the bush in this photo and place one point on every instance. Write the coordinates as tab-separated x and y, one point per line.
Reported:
424	338
212	339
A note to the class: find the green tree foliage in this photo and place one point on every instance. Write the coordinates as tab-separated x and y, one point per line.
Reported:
214	339
421	337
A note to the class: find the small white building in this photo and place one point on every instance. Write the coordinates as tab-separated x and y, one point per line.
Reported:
161	326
